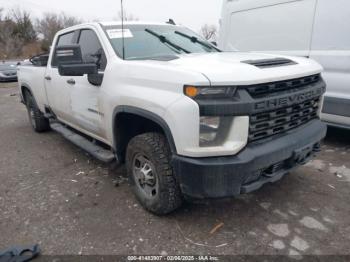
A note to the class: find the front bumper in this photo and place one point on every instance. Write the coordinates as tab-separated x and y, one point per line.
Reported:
8	79
258	164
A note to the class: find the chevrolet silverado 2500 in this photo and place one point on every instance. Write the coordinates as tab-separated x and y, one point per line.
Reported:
189	121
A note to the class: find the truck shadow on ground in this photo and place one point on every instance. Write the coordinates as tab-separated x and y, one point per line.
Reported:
338	136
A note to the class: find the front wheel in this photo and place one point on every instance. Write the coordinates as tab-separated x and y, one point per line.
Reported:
152	177
36	118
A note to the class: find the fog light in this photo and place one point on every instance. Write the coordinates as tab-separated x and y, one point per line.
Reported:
214	130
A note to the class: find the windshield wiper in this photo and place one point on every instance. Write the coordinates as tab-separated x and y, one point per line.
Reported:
196	40
163	39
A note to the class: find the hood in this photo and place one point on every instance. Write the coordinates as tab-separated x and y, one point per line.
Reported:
236	68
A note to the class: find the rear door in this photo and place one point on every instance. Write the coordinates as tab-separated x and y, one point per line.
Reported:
85	98
57	88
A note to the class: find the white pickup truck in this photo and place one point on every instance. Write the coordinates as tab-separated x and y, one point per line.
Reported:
188	120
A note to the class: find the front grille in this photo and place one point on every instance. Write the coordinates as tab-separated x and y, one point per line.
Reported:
261	90
266	124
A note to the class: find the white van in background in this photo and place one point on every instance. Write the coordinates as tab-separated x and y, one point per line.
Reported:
318	29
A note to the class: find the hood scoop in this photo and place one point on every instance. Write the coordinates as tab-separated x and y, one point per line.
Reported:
268	63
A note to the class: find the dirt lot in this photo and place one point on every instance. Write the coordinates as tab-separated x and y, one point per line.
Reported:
54	194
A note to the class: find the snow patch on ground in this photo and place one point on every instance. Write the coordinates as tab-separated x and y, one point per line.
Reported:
299	244
312	223
278	244
265	205
280	230
341	171
316	164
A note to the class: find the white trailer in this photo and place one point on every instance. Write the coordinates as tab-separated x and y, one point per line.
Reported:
312	28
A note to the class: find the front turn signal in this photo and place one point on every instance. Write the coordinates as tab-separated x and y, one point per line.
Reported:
191	91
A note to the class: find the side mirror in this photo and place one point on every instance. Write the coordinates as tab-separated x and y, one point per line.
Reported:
67	54
40	60
214	43
70	63
77	69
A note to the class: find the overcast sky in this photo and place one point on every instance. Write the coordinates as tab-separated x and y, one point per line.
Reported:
192	13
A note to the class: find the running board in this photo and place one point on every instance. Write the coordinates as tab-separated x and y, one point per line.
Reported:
96	151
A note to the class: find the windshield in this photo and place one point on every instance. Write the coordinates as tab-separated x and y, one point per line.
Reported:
156	41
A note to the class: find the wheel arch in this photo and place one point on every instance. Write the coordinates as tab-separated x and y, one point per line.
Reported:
25	87
124	129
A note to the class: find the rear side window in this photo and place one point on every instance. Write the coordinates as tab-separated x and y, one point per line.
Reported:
66	39
91	49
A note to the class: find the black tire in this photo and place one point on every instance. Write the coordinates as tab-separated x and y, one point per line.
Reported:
37	120
165	196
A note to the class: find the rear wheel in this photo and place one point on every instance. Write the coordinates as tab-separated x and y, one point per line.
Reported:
151	175
36	117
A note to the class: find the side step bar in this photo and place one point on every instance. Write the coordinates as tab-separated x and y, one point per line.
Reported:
96	151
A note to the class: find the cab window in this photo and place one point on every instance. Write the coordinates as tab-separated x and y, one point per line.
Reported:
91	48
66	39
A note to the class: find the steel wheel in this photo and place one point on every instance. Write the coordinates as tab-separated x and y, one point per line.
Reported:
151	174
145	175
32	116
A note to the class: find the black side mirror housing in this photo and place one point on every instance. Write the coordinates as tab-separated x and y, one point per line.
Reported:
214	43
68	54
70	63
77	69
95	79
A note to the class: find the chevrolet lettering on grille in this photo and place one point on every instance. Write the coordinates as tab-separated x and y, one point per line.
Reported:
288	100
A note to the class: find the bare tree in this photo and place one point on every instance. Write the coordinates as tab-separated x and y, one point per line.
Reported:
23	28
209	32
68	21
127	16
10	44
50	24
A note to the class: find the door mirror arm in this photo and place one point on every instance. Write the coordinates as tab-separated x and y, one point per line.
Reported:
95	79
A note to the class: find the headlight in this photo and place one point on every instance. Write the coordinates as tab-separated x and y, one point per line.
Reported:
209	92
214	130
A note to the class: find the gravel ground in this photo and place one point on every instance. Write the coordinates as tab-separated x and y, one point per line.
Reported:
54	194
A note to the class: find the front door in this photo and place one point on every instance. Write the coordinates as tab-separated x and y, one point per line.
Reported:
57	88
85	98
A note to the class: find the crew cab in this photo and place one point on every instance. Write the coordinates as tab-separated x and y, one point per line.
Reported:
188	120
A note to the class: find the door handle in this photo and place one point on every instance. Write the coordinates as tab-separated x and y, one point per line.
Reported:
71	81
48	78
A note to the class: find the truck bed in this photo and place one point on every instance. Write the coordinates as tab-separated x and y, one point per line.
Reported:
33	77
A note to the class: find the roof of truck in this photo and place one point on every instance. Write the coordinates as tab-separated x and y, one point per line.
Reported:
117	23
111	23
